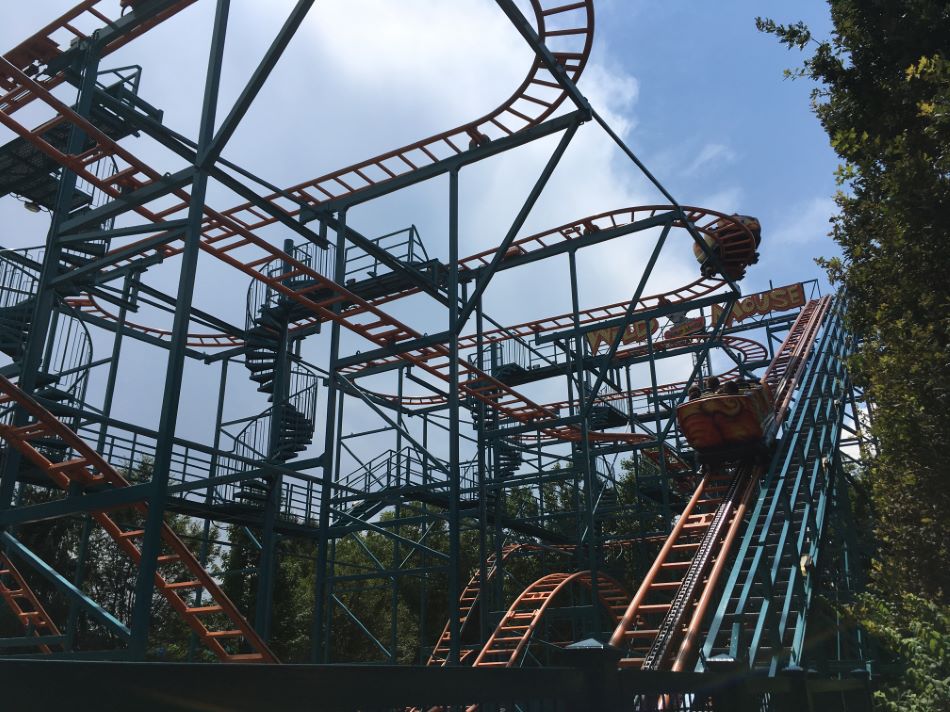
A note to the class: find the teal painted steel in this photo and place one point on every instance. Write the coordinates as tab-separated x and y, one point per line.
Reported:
763	611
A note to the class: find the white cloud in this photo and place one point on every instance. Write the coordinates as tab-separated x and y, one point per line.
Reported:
709	154
727	199
806	222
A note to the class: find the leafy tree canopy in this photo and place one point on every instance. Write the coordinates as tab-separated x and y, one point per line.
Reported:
883	96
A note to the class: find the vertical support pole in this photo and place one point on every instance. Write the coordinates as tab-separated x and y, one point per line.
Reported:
331	579
151	540
402	466
114	363
209	492
454	533
72	622
320	647
483	587
584	409
424	588
660	440
79	575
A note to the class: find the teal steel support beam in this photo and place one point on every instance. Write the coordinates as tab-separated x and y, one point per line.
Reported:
85	64
209	151
151	540
12	545
455	545
320	646
628	319
488	272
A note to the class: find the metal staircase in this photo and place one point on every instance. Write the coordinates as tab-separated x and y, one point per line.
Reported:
27	608
69	355
180	577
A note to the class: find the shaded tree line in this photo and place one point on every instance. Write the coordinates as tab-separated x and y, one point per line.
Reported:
883	96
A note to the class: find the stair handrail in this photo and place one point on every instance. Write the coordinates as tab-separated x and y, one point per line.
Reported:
71	345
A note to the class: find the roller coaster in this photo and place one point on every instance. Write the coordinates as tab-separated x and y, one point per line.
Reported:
677	549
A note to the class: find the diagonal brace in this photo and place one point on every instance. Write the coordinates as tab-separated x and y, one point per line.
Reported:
489	272
627	320
10	543
210	154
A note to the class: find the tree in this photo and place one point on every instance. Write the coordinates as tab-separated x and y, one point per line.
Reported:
883	96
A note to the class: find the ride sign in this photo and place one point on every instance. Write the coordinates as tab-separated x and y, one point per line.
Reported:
778	299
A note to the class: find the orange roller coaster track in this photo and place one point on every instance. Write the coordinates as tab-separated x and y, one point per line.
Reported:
510	639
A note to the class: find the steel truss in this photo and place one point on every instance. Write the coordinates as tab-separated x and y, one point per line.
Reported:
461	472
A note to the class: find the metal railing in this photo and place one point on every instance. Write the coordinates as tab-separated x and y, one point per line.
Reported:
405	245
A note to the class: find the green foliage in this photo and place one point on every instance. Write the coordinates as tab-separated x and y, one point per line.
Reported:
883	94
917	632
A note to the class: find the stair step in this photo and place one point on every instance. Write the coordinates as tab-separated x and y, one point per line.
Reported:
225	634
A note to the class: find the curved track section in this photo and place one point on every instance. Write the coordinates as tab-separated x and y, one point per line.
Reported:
709	223
468	600
622	218
87	19
226	234
570	24
510	639
750	350
208	340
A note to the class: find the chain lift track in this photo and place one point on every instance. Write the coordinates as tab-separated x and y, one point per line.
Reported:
679	585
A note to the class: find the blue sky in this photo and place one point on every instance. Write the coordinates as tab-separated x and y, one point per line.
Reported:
711	85
693	88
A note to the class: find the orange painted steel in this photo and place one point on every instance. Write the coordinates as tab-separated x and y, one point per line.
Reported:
41	47
640	623
699	580
470	598
709	224
361	316
32	616
523	109
691	636
208	340
724	422
693	290
214	622
531	329
519	623
783	373
750	350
